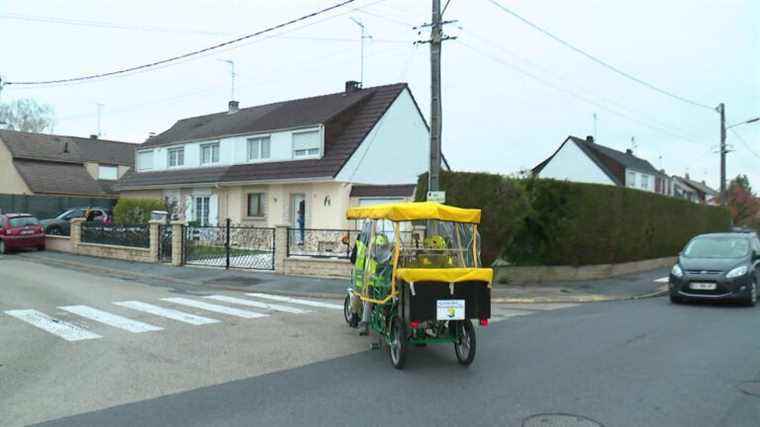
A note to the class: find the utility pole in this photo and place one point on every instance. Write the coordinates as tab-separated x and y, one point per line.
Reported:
365	36
595	137
436	40
722	110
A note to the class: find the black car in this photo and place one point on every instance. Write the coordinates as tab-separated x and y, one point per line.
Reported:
720	266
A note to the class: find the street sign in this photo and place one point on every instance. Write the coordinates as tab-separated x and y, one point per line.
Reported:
436	196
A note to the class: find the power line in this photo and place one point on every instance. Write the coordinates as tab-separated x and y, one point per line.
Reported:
576	95
188	54
745	143
601	62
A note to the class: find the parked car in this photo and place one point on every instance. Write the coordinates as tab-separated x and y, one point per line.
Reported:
18	231
61	226
720	266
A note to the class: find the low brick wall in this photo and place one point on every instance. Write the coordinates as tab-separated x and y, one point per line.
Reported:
125	253
540	274
59	244
317	267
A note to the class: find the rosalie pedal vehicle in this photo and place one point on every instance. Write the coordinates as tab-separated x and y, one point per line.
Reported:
417	277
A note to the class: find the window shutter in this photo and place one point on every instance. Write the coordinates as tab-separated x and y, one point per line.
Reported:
306	141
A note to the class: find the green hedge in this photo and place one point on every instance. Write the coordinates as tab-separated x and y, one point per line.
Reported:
136	211
548	222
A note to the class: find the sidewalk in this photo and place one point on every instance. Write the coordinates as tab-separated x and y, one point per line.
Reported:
201	279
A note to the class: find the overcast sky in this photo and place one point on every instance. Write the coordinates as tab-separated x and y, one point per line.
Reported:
510	94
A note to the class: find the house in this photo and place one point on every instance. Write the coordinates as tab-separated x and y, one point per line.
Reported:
300	161
695	191
583	160
43	164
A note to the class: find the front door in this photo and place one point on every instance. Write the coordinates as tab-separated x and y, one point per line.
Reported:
298	215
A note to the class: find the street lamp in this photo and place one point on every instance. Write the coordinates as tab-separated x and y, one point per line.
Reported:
746	122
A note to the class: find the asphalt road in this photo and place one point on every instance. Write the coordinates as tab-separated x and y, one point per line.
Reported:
632	363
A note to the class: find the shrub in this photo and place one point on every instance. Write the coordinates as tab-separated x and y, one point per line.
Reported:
548	222
136	211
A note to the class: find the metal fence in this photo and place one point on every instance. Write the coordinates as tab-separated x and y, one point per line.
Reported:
44	207
137	236
320	243
230	246
165	235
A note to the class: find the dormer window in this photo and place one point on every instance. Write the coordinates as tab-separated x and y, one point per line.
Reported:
259	148
175	157
108	172
306	144
210	153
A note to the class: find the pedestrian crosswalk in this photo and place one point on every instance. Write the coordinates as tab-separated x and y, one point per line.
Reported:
74	322
68	324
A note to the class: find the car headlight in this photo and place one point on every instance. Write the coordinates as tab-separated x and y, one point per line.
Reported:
676	271
737	272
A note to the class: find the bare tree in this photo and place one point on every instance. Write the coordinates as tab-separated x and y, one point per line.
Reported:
27	115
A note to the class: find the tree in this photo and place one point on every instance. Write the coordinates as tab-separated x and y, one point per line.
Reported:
27	115
742	203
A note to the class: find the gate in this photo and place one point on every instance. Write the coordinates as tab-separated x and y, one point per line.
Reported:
165	243
230	246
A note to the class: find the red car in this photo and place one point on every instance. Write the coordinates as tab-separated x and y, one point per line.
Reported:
19	231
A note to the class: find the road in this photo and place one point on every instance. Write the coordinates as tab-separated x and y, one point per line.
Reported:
629	363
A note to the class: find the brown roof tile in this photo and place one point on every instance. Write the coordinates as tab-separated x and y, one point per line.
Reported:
57	178
38	146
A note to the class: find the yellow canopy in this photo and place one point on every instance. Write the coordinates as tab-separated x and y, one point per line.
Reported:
413	211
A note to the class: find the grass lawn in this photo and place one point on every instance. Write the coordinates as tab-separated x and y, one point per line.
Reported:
219	251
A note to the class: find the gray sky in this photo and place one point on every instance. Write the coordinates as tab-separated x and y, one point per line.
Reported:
496	117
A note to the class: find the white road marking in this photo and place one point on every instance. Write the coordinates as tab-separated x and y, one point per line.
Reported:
662	280
216	308
110	319
166	312
257	304
64	330
297	301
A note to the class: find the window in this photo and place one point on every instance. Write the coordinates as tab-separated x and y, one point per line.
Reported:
645	182
259	148
108	172
631	180
202	207
210	153
176	157
255	204
306	144
22	221
145	160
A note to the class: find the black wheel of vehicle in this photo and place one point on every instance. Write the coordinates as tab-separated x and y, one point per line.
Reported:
2	247
751	300
55	231
466	343
675	299
397	347
347	309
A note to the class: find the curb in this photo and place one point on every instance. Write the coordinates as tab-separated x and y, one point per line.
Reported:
661	290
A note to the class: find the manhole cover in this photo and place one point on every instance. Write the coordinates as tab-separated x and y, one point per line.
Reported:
559	420
752	388
234	281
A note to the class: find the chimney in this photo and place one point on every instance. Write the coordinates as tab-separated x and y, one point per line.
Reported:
234	107
687	175
629	151
93	136
353	86
590	139
151	135
65	147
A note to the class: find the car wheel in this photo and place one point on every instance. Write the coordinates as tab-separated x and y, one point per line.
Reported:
674	299
2	247
751	300
55	231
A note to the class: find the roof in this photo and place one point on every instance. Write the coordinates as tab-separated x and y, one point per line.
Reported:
601	156
57	178
70	149
411	211
699	186
348	119
401	190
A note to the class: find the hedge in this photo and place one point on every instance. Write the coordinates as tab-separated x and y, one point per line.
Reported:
136	211
549	222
